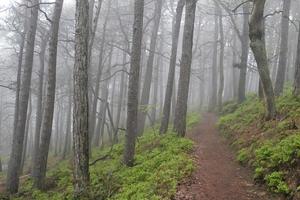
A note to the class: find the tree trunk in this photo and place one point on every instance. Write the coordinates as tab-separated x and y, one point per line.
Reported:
257	37
214	77
281	71
221	69
39	106
185	69
49	99
93	117
172	68
18	138
120	100
149	69
27	127
244	57
81	102
133	87
297	70
68	128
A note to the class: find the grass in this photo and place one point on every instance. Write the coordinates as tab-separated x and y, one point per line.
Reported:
161	162
271	148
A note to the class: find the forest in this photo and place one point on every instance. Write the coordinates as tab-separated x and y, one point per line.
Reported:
150	100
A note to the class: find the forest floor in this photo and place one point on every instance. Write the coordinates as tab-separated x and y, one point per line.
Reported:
218	175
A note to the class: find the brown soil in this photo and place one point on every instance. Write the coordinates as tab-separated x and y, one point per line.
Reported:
218	176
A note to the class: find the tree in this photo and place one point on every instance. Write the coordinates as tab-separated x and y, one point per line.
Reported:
42	157
149	69
258	46
244	38
281	71
297	69
39	108
18	137
214	79
185	69
221	69
171	76
133	87
81	102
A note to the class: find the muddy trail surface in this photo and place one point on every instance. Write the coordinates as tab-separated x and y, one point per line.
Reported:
218	176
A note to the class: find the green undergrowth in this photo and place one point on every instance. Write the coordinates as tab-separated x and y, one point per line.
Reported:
160	163
271	148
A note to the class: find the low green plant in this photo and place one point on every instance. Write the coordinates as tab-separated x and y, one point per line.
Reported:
161	161
276	183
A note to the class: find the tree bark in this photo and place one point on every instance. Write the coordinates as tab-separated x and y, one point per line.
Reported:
149	69
282	66
258	46
185	69
18	138
81	102
41	165
133	87
172	68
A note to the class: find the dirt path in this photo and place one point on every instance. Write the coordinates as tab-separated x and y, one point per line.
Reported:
218	176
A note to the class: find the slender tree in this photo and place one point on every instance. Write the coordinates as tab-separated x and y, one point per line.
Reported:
18	137
133	87
214	76
282	65
41	164
80	99
297	69
149	68
171	76
258	46
185	69
221	60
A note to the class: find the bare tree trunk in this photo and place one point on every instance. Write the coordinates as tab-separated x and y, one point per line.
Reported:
185	69
81	102
244	57
133	87
281	71
68	128
221	69
214	77
27	127
39	106
149	69
257	37
120	100
297	70
172	68
18	138
93	117
49	100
